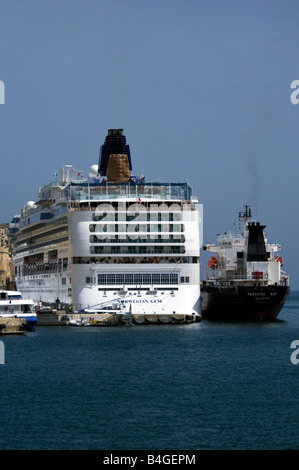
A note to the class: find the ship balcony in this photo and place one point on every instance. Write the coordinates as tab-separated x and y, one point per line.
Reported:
137	250
117	239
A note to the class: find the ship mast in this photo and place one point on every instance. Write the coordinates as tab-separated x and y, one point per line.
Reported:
245	215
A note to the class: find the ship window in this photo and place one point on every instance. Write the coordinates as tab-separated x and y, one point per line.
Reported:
177	215
98	217
147	278
129	218
137	279
46	215
177	249
119	278
240	254
101	278
110	279
128	278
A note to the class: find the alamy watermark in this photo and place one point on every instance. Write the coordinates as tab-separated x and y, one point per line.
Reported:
294	356
2	353
161	222
2	92
294	95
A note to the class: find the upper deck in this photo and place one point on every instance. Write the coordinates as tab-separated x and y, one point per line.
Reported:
109	182
129	191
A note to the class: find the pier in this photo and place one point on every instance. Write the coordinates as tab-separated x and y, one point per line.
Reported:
62	318
12	326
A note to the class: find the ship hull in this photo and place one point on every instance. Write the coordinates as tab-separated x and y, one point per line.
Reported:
82	288
243	303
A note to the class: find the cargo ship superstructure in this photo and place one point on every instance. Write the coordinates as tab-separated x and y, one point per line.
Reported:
244	277
110	237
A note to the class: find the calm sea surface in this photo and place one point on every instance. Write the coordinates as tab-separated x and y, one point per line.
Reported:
188	387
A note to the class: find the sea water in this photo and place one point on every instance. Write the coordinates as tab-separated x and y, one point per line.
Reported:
200	386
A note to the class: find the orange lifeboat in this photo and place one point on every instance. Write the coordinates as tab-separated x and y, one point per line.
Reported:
279	260
213	262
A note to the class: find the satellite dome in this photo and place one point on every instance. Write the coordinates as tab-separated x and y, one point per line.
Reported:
93	171
30	204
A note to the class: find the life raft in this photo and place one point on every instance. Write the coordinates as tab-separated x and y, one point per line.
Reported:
279	260
213	262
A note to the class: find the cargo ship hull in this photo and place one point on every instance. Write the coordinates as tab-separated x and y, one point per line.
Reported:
243	303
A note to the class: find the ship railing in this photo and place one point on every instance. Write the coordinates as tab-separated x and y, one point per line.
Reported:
236	279
108	197
89	191
215	280
284	279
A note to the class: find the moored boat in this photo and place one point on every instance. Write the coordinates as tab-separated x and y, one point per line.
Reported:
244	277
12	305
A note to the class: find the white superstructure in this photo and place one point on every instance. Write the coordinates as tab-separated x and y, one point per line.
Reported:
89	241
245	258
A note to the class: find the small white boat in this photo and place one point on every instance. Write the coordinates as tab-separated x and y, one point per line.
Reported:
79	322
13	305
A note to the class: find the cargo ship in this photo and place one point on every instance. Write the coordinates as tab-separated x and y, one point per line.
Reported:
110	238
244	279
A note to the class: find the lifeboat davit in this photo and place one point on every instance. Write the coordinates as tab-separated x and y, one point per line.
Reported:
213	262
279	260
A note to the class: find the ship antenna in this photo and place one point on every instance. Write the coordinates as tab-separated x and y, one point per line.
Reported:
245	215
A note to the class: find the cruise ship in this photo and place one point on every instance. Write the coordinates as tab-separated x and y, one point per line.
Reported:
110	237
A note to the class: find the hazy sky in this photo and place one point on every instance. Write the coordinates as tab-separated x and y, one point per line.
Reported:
201	89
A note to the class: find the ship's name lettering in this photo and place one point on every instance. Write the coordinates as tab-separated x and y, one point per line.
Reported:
143	301
256	294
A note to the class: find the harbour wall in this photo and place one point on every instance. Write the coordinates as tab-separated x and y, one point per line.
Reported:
61	318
